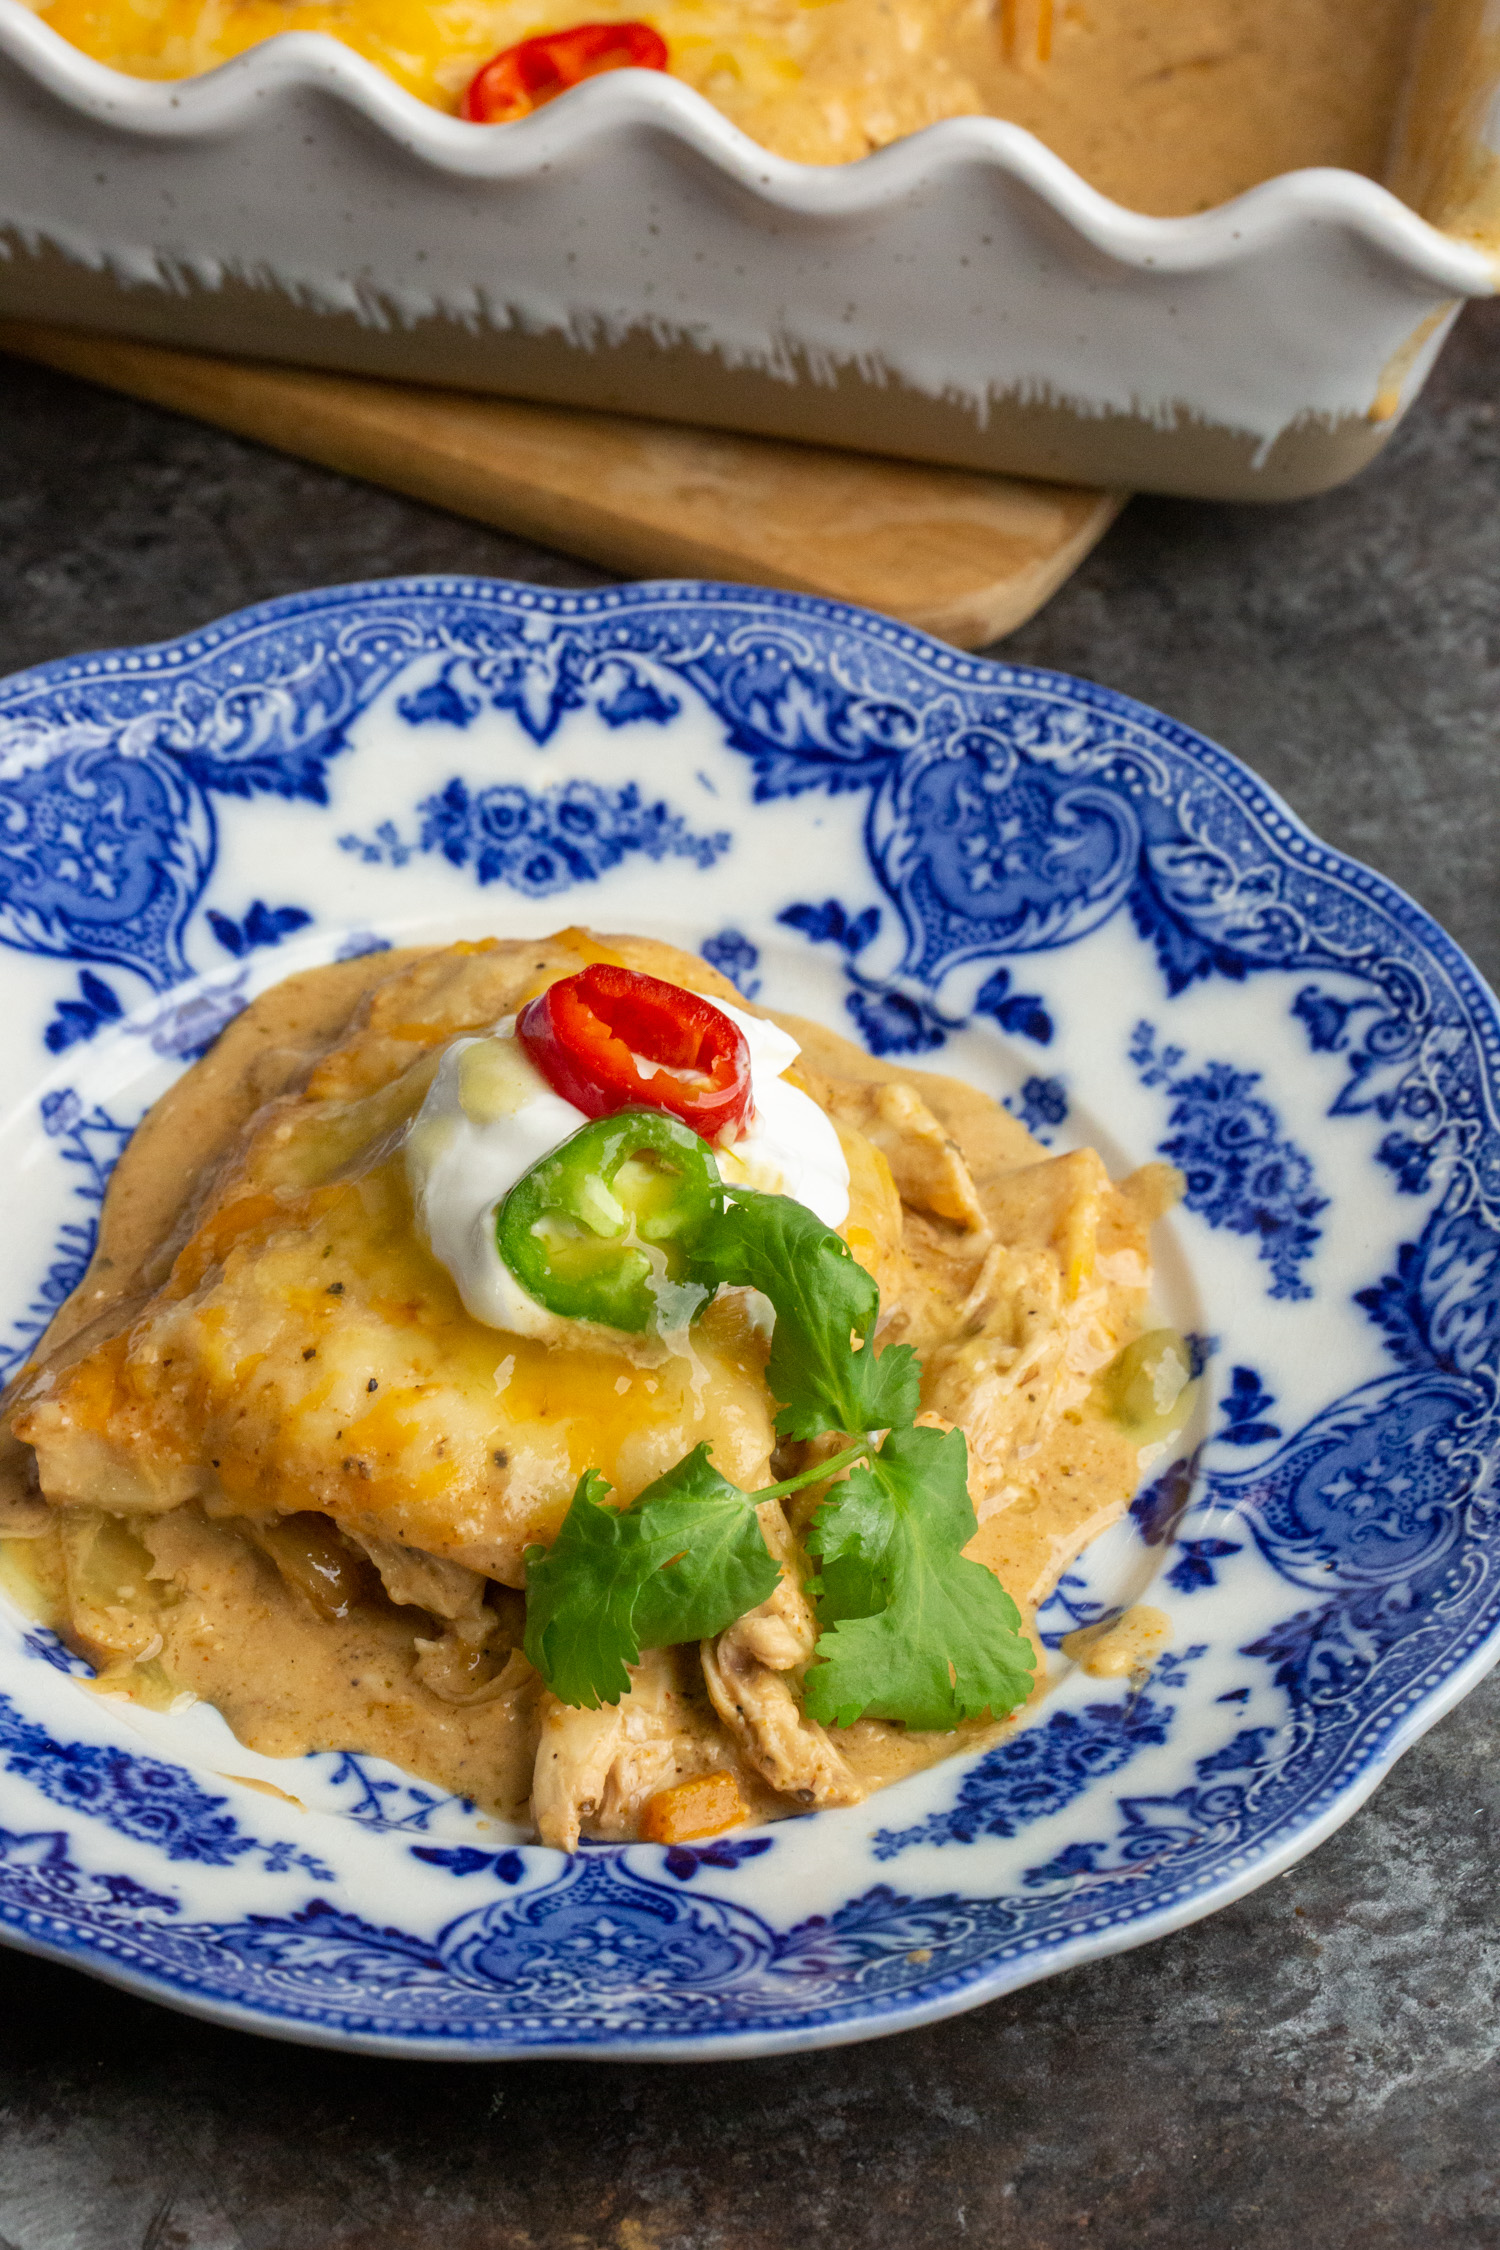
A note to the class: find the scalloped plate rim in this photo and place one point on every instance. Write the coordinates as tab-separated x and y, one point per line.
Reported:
964	1988
953	1996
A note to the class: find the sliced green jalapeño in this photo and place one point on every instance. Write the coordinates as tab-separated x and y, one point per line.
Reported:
604	1228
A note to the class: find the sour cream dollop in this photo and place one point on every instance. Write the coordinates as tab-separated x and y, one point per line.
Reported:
490	1115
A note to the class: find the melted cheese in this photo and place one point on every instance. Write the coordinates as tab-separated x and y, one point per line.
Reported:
334	1367
1168	105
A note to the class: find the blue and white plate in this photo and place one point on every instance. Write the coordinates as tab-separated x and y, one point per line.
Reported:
1006	874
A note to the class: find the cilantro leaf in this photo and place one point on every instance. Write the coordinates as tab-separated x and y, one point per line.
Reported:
823	1299
913	1630
681	1563
581	1594
716	1565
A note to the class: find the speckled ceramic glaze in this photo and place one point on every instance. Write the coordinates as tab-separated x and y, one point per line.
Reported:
962	296
1017	877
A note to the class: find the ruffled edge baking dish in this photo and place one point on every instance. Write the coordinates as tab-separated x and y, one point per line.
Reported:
961	296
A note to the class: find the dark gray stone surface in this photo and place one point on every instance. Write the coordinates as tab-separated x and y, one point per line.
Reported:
1315	2066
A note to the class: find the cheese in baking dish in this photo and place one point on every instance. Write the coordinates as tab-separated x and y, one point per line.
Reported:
1170	106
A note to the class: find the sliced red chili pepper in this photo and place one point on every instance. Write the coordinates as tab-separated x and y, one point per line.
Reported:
521	78
610	1038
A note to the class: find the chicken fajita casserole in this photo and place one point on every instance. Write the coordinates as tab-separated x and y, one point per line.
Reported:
636	1413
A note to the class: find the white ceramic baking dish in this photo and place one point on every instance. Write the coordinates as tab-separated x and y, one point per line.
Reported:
961	296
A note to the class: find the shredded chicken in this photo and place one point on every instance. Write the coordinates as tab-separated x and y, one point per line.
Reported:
455	1664
748	1671
446	1589
926	1162
597	1768
758	1706
1036	1328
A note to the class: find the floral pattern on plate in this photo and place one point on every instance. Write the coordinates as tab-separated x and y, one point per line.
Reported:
1029	881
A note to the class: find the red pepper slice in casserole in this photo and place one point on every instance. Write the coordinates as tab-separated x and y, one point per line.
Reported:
521	78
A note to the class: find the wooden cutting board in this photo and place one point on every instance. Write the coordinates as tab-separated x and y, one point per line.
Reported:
963	556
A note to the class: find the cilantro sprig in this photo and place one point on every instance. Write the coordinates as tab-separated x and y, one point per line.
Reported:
912	1630
681	1563
823	1368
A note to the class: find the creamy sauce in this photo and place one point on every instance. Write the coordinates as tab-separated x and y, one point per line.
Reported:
289	1681
1170	106
274	1544
1125	1647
